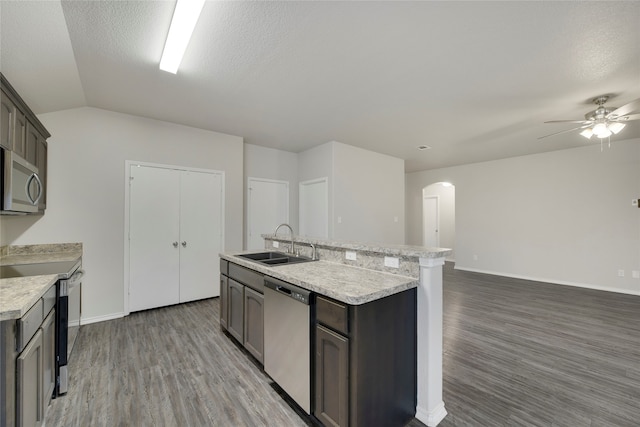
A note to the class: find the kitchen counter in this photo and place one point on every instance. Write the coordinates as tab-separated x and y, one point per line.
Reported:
351	285
17	295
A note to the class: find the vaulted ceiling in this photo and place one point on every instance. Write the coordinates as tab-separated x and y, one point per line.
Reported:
473	80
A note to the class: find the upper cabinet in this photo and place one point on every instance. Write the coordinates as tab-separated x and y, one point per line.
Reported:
22	133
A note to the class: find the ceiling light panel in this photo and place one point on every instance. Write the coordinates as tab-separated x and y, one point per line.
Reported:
185	17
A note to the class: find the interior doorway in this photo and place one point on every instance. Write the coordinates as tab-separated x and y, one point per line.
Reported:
314	208
438	216
430	221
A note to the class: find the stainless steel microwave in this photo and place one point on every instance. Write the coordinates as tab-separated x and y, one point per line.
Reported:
21	186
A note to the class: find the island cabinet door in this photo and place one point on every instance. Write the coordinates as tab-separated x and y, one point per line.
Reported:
235	324
224	301
332	378
254	323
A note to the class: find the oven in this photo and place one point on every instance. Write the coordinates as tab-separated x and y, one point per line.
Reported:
69	302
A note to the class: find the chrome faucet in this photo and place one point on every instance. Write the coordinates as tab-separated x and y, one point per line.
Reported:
313	251
292	248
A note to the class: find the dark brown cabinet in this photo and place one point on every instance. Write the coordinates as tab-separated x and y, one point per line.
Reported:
254	323
242	306
235	308
332	378
7	116
224	295
365	361
22	133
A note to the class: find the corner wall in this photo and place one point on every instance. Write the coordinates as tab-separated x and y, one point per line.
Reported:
562	217
87	153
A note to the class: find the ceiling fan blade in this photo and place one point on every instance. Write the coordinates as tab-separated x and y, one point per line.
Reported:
627	118
569	121
564	131
626	109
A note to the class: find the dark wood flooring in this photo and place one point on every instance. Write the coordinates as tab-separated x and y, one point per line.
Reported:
517	353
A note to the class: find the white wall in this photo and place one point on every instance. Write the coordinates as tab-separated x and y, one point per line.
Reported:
87	153
269	163
563	216
368	195
366	191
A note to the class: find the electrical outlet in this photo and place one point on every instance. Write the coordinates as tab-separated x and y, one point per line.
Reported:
276	244
475	257
635	274
392	262
620	273
350	255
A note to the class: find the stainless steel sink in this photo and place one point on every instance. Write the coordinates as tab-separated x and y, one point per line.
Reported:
274	258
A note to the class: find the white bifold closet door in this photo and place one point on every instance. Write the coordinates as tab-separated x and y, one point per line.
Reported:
175	235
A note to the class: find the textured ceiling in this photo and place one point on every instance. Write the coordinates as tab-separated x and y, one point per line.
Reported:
473	80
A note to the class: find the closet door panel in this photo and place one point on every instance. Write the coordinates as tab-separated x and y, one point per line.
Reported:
154	233
201	226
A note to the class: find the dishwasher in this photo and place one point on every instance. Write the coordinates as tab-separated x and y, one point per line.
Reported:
287	339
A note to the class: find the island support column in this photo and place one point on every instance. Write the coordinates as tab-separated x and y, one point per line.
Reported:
430	408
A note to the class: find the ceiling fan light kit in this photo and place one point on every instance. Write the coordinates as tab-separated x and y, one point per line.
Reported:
603	122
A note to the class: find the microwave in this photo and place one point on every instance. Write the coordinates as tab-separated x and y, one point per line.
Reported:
21	186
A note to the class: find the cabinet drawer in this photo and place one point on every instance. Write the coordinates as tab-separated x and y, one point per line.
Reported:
247	277
224	267
28	324
332	314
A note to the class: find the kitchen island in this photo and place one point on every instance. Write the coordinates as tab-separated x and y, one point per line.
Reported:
367	324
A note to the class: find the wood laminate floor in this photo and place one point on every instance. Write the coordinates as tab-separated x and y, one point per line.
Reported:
516	353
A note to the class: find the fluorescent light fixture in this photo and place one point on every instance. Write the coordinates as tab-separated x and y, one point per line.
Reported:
616	127
185	17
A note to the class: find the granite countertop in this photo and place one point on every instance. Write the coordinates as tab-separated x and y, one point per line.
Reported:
19	294
351	285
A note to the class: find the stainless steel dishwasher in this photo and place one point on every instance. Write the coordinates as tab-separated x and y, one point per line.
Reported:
287	339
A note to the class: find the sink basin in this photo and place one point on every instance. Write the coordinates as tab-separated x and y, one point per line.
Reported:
274	258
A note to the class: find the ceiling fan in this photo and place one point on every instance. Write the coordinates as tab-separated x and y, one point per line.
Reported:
603	121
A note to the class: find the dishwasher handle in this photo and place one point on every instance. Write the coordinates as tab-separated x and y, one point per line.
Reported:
299	294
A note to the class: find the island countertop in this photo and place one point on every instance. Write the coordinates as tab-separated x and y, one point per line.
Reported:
351	285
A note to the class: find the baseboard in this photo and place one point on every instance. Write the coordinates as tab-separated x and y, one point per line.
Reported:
97	319
554	282
433	417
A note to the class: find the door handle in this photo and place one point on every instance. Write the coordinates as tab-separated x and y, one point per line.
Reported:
175	244
184	244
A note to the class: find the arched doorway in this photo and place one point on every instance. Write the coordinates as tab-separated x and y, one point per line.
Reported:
439	216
